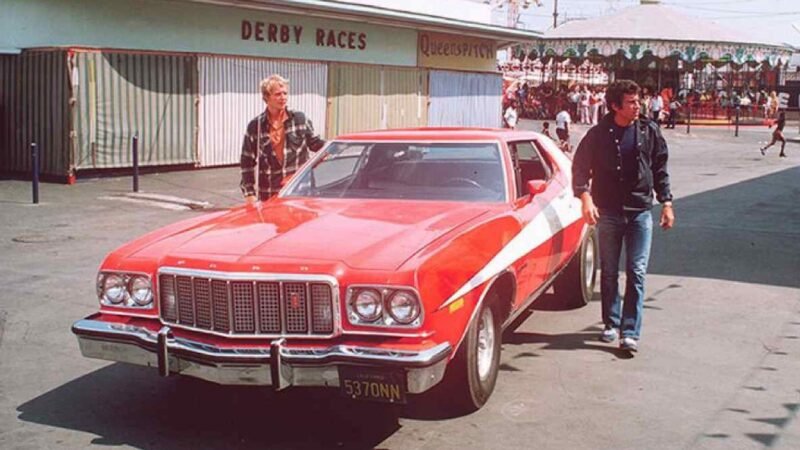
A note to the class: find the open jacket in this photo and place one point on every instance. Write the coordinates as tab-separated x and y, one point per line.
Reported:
598	158
257	152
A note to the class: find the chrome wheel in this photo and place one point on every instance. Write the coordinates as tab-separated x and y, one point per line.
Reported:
589	265
486	341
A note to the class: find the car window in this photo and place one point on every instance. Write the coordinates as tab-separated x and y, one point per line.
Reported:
543	154
405	170
339	167
528	165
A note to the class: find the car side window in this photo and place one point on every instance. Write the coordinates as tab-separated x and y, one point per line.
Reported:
528	165
543	154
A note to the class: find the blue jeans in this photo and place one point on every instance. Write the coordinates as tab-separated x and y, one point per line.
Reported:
635	230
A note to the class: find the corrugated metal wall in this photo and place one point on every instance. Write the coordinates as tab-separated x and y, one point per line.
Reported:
9	77
364	97
230	98
119	94
406	95
35	108
465	99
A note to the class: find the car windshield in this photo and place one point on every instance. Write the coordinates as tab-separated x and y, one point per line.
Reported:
470	172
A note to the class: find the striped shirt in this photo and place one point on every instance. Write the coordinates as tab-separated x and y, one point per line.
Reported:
258	154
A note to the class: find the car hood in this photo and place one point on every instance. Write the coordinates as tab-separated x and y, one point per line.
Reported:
363	234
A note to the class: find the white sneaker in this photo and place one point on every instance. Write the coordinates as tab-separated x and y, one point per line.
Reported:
630	344
610	334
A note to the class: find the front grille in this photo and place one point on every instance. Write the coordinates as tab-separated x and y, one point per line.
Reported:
273	307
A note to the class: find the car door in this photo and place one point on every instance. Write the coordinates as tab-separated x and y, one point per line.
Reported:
562	211
535	217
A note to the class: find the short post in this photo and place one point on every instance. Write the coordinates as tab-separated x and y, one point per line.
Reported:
736	133
688	117
136	162
35	172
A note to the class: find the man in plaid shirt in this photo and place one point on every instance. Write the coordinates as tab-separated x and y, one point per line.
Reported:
277	142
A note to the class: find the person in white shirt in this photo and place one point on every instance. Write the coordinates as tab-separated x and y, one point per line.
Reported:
511	116
656	105
594	106
563	120
584	106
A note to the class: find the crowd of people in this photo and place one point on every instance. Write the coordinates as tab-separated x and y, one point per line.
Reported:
587	104
579	104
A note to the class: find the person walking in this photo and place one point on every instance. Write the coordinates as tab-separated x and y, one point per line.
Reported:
774	104
511	115
563	120
594	105
674	106
644	103
777	135
656	105
624	158
583	102
278	141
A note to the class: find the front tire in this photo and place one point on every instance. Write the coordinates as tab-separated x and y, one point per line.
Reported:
472	374
574	287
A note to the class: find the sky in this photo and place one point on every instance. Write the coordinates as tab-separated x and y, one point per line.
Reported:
771	20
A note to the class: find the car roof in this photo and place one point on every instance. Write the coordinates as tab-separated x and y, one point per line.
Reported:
432	134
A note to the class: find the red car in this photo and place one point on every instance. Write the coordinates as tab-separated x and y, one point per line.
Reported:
389	263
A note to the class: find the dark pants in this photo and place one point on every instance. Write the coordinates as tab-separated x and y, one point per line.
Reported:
655	115
671	120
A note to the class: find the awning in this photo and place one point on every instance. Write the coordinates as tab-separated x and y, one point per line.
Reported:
659	31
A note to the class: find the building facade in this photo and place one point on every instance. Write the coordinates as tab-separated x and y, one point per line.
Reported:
81	78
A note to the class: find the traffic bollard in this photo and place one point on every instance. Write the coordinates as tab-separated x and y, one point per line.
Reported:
688	118
736	133
136	162
35	172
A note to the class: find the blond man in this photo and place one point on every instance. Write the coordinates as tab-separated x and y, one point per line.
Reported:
278	141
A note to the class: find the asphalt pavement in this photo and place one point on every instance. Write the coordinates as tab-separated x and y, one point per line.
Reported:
718	366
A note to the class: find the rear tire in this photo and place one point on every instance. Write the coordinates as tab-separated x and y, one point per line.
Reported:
472	374
574	287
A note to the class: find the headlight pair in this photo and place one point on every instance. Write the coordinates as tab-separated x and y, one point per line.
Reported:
384	306
125	289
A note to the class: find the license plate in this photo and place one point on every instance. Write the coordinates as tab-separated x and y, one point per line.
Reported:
362	383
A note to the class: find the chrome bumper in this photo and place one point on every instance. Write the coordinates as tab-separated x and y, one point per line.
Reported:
278	365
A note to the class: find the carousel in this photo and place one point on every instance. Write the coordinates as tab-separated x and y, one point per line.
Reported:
712	70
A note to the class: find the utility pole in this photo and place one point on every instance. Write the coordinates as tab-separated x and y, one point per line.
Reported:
555	13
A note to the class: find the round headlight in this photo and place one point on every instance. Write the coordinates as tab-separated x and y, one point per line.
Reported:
367	305
141	290
114	291
404	307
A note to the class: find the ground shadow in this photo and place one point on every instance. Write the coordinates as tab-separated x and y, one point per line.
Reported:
745	232
552	302
129	405
585	339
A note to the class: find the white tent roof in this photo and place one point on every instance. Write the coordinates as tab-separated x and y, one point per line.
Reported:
652	22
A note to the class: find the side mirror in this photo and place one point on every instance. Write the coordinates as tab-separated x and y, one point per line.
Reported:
286	179
536	187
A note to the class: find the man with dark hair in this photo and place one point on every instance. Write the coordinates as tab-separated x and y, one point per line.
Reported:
625	158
